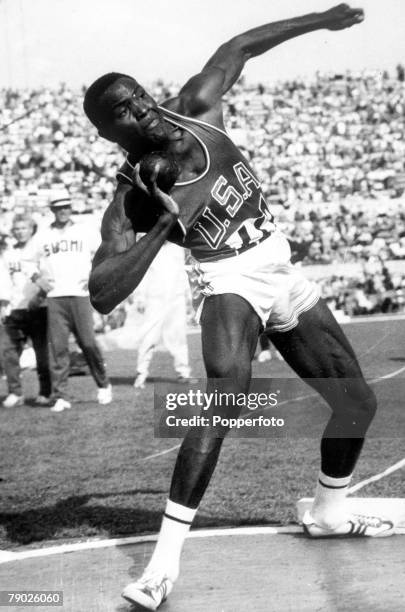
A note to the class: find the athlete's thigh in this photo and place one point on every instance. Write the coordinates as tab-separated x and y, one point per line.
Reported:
318	350
229	329
317	346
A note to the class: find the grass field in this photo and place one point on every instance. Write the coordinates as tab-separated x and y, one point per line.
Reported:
89	472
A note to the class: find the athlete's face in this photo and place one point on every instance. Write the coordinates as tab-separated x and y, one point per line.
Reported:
131	117
22	231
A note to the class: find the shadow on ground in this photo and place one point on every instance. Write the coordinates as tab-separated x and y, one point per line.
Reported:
52	522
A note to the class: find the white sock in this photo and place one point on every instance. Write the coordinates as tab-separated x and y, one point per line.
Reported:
329	508
176	524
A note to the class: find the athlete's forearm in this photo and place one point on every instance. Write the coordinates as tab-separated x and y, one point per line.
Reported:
231	57
116	276
262	39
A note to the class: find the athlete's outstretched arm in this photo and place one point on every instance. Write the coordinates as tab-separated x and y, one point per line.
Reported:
121	262
222	70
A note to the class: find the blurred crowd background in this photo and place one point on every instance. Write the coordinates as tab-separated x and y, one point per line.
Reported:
330	153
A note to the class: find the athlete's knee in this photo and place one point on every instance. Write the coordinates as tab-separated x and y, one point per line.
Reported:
368	404
363	406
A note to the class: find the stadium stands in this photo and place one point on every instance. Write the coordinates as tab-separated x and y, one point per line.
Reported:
330	153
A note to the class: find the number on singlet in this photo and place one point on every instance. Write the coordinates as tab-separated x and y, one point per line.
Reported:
213	229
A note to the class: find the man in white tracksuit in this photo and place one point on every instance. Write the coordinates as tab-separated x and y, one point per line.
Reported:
163	298
65	250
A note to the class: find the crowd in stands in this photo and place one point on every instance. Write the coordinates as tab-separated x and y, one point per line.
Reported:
375	289
329	151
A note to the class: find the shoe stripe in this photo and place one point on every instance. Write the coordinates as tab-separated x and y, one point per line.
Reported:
332	486
357	529
174	518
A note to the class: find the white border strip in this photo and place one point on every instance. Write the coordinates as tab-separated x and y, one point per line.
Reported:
7	557
376	477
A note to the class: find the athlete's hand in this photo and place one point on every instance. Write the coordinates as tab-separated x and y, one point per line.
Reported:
154	192
342	16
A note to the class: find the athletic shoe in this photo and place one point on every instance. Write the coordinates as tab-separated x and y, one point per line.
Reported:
264	356
60	405
356	526
104	395
41	400
139	382
149	591
12	400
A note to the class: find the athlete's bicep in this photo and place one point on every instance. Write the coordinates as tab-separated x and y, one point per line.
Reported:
202	92
205	90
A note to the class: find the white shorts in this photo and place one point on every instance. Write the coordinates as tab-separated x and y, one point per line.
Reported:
264	276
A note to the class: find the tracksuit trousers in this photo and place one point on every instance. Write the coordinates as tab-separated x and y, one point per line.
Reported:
20	325
65	315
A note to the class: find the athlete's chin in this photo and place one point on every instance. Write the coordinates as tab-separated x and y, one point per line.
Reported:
157	139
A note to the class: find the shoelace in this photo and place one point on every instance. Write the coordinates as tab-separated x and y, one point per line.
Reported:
368	521
152	578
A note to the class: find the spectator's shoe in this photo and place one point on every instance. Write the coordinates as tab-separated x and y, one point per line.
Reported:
139	382
104	395
41	400
149	591
356	526
12	400
60	405
186	380
264	356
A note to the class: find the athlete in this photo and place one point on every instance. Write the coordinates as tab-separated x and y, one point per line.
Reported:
246	281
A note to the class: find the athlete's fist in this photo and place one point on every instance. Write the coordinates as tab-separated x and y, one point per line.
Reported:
342	16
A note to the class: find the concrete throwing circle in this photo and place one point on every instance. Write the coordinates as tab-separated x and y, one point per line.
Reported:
258	569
